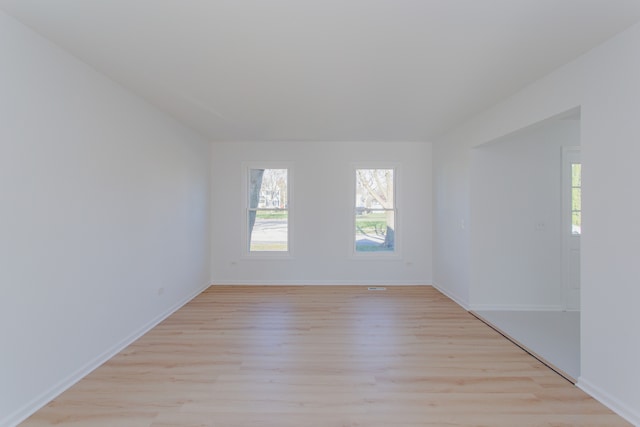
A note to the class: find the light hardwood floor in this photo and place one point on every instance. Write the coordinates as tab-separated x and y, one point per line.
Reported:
323	356
553	336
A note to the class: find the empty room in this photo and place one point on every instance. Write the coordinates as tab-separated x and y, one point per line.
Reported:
319	213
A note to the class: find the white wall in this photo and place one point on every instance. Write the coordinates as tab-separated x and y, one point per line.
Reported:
322	213
103	202
516	213
605	84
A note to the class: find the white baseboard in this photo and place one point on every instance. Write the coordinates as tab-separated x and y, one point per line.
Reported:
452	296
42	399
515	307
315	283
625	411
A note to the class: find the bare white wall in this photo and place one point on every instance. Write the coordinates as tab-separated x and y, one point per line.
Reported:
604	83
516	215
104	219
322	213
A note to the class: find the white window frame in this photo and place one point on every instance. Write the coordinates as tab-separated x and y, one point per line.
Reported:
245	244
381	255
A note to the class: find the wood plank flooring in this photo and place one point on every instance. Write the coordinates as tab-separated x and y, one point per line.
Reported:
551	336
323	356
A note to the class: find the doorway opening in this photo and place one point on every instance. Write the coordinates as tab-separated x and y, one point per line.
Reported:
525	239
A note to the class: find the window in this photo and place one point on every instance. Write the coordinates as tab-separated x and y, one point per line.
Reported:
576	199
375	211
267	213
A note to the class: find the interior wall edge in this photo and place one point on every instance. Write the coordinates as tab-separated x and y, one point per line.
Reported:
455	298
47	396
315	283
516	307
630	414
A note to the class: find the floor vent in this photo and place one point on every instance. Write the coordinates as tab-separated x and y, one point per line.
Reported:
376	288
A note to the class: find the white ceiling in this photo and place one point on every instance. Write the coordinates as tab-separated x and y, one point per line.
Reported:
325	69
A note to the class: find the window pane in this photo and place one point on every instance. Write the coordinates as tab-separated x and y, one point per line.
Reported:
268	210
576	175
375	231
270	230
374	189
576	223
268	188
576	199
375	210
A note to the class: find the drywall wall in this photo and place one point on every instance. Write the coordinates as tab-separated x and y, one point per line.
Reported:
104	218
516	213
322	213
604	84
